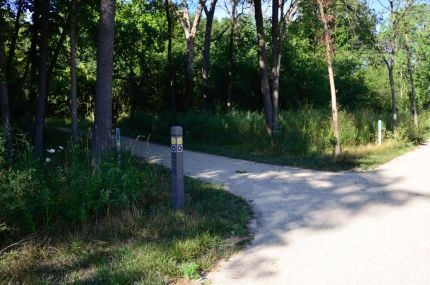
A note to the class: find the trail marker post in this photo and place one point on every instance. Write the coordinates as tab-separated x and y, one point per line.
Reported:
177	149
118	144
379	132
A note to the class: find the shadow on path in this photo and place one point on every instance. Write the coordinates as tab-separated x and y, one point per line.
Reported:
303	210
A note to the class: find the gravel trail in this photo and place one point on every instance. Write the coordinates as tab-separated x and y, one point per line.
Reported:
316	227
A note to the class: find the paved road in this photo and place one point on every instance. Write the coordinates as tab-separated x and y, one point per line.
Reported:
317	227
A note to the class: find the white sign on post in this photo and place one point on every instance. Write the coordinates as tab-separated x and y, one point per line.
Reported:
118	138
379	132
118	144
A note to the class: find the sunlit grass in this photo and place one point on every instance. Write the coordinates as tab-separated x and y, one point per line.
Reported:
370	156
131	236
305	138
154	246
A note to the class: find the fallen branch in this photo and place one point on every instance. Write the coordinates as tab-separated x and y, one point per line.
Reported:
19	242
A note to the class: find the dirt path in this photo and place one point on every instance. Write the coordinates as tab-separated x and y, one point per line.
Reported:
319	227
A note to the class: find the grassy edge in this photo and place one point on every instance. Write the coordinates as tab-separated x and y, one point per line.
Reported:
357	158
35	261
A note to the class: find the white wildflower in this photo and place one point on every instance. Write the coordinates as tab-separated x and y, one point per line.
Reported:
47	159
51	150
60	147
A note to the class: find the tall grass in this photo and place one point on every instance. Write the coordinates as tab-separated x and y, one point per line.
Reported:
65	189
111	226
304	132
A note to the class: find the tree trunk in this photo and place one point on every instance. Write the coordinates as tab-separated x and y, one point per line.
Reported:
329	55
411	80
171	80
101	139
336	132
14	37
4	95
73	100
390	66
41	99
57	51
54	60
230	59
262	64
206	53
190	31
190	72
390	62
33	59
276	62
230	63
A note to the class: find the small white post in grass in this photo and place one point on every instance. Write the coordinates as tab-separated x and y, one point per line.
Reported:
118	144
379	132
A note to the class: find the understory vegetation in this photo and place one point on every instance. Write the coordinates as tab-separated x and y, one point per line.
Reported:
305	138
303	84
61	221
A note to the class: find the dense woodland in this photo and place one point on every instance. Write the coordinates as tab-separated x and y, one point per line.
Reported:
290	82
181	57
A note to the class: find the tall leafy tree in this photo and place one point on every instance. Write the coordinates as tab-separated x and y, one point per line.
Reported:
206	49
73	100
43	79
33	58
263	68
283	13
170	70
406	27
235	14
102	129
390	46
4	93
327	19
17	26
190	31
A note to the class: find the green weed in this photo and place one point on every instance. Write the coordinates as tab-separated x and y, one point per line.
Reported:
305	137
112	226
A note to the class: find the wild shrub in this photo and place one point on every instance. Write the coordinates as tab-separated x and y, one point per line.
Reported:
301	132
65	189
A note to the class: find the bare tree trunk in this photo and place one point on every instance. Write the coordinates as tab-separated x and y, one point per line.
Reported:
262	63
103	102
4	95
73	100
390	62
33	59
53	62
14	37
206	52
276	62
230	60
336	132
171	80
390	67
41	99
190	73
57	51
411	80
329	55
190	31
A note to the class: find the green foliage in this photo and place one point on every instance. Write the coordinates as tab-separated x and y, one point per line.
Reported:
140	65
190	270
64	188
304	136
126	231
